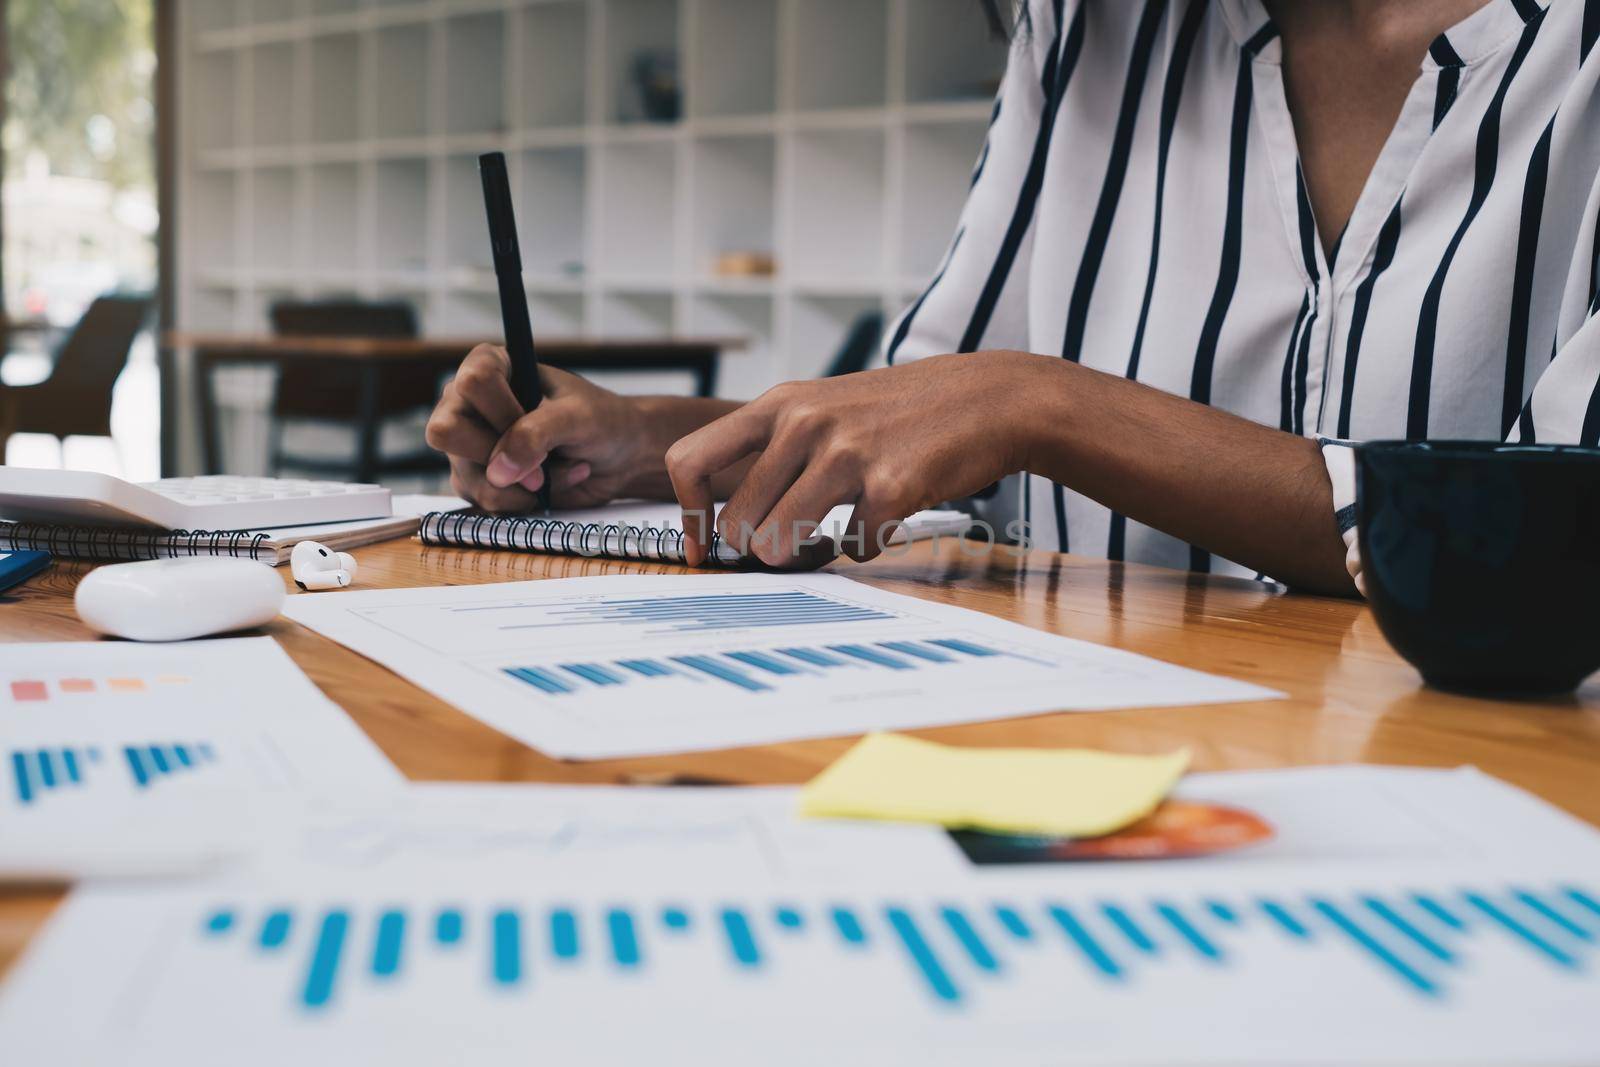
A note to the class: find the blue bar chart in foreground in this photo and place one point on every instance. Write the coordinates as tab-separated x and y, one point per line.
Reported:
1410	945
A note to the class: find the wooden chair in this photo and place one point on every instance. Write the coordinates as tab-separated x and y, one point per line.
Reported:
332	390
75	401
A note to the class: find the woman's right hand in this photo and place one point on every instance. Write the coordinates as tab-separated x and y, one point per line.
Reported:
599	444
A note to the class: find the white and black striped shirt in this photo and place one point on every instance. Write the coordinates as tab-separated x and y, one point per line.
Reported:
1139	207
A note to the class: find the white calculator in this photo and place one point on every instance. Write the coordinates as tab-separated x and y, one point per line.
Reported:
218	502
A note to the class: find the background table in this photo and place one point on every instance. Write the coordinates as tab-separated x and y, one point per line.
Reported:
699	356
1350	698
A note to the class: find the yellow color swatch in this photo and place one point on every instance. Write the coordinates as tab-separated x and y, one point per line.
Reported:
126	685
1070	792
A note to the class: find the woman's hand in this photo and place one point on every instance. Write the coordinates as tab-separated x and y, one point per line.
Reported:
600	446
890	441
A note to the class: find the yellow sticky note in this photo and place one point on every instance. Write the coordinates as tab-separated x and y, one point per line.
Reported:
1071	792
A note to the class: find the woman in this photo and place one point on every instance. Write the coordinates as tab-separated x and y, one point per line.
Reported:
1205	238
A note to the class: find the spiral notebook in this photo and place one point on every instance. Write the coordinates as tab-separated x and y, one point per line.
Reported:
117	544
633	531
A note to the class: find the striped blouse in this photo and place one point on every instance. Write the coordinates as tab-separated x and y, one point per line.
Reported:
1139	207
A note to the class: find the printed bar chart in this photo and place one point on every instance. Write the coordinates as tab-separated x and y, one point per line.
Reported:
35	773
758	670
1412	943
619	665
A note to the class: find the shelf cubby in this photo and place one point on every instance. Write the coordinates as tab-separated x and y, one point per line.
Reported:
216	84
550	213
272	92
636	29
273	216
636	314
837	214
839	49
735	58
401	234
555	314
949	53
207	16
335	85
935	178
636	213
475	82
466	234
733	190
463	313
555	61
335	211
265	12
213	220
402	78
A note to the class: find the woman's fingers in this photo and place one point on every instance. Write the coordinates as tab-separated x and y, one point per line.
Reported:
769	478
484	383
455	430
467	479
788	535
694	460
873	524
526	444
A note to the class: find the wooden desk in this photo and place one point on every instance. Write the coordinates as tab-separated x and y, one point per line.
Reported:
698	356
1350	698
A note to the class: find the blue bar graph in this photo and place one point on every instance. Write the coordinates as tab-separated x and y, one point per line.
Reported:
949	951
755	670
38	772
148	764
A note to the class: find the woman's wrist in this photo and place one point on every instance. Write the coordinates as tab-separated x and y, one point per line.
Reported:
1030	397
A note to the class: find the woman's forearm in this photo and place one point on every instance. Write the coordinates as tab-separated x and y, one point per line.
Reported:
1255	495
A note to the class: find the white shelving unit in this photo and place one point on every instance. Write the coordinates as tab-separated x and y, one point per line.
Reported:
328	147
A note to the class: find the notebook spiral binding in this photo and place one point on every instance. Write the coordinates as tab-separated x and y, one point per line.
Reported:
114	543
597	540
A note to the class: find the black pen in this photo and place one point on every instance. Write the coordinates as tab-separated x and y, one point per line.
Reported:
513	298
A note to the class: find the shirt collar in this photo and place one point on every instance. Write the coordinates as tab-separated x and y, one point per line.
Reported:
1473	38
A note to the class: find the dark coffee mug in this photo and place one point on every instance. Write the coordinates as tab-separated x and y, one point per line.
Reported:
1482	561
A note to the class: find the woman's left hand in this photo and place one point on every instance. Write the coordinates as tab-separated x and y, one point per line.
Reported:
890	441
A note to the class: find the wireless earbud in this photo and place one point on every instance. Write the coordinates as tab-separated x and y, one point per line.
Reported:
317	567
